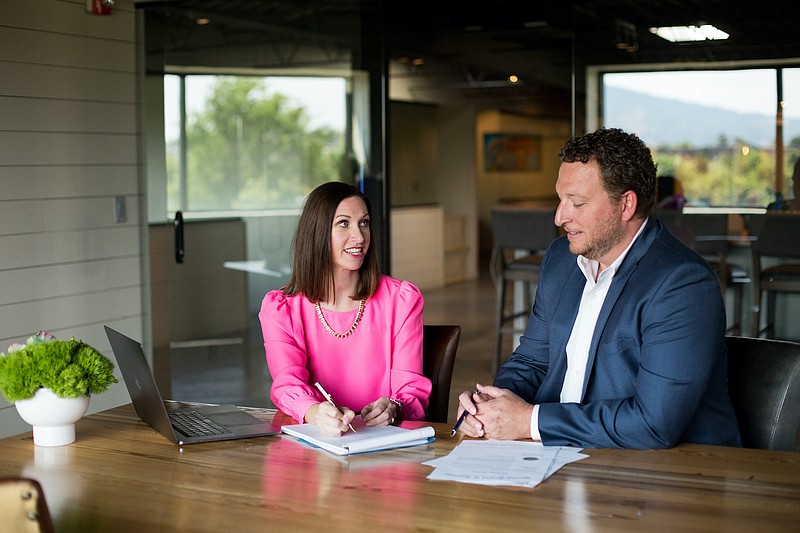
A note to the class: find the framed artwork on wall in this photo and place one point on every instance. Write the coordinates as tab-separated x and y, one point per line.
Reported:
511	152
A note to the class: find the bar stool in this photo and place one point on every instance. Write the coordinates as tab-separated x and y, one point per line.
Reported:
520	237
707	234
710	232
779	238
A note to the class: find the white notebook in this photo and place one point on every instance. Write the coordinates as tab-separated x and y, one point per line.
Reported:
366	439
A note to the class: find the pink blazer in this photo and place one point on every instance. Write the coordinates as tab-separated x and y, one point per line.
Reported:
382	357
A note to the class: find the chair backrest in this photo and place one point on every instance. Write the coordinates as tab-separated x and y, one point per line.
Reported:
23	507
753	222
523	229
764	386
779	235
439	346
673	220
705	225
670	217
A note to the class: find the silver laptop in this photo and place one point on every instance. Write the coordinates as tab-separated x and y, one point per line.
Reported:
206	423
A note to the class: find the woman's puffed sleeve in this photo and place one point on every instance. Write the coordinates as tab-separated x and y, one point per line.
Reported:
408	384
286	359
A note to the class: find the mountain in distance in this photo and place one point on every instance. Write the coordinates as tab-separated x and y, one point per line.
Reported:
661	121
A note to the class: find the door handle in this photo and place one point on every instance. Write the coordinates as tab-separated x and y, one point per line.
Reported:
178	223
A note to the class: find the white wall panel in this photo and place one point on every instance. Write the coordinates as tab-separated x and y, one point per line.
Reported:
46	148
52	281
68	145
81	213
61	314
79	51
21	217
68	247
28	114
24	79
64	181
69	17
35	216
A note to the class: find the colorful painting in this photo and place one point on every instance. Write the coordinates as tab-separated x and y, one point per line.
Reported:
511	152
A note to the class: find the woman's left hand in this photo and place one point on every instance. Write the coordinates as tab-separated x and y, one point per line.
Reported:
381	412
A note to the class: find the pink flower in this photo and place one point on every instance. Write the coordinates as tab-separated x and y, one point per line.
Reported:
41	336
14	347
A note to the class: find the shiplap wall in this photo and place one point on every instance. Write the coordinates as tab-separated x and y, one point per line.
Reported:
68	147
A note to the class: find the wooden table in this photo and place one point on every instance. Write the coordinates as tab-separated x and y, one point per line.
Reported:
120	475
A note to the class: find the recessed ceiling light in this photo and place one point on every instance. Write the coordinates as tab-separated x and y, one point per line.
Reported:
682	34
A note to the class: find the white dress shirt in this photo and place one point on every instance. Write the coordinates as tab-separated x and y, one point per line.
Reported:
594	294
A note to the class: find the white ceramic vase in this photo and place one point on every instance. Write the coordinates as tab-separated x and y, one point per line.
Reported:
53	418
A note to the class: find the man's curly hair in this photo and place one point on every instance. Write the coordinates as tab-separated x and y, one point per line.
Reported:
625	162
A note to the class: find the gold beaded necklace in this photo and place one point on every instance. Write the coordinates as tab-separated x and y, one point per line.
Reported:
330	329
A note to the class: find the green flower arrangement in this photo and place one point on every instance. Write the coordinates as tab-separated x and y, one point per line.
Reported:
70	369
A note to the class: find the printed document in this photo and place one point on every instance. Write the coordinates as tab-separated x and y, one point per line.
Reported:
498	462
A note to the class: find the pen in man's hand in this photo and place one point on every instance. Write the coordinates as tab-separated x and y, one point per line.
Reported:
330	400
460	420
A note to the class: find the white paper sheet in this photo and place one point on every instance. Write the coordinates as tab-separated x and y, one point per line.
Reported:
493	462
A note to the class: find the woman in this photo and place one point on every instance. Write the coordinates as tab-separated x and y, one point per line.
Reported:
341	323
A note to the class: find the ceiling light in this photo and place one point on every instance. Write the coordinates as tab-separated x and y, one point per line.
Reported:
682	34
202	21
513	79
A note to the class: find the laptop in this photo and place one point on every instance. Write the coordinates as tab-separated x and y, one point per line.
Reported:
203	423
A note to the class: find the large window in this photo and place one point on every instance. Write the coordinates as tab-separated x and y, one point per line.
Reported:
246	143
714	131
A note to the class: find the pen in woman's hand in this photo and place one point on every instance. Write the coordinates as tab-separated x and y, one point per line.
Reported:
330	400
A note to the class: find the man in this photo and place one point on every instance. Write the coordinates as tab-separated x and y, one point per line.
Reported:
625	346
781	204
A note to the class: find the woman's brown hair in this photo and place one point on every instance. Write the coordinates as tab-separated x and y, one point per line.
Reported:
312	273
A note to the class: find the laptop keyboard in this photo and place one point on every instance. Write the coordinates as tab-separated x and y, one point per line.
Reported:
194	424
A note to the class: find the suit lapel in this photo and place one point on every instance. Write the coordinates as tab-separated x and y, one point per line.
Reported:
621	277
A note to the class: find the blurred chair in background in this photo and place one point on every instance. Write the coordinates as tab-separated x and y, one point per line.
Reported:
23	507
710	232
707	234
520	238
779	238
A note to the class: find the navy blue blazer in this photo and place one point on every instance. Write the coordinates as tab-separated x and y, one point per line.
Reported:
657	368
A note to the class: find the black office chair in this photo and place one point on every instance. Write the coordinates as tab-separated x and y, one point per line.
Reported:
513	231
439	347
779	237
764	386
